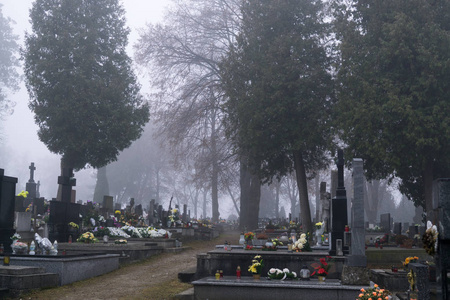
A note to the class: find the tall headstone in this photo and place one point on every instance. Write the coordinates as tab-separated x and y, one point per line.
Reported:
324	214
397	228
108	203
138	210
152	212
7	203
334	183
31	186
339	209
385	222
357	257
441	214
61	214
67	181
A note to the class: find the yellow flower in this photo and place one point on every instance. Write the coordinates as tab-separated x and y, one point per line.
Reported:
23	194
117	212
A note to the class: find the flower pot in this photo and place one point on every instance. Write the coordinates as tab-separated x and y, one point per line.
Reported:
256	276
321	278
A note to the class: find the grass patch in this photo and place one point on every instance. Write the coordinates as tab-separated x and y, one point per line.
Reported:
164	291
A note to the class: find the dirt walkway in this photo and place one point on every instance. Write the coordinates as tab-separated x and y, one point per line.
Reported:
136	281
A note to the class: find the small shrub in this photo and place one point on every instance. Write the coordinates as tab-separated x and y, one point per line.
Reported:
399	239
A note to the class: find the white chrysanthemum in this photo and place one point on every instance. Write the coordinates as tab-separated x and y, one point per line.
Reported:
295	274
303	236
272	270
302	240
286	270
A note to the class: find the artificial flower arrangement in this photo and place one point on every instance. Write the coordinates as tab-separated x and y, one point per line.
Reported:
249	236
302	244
174	216
74	225
430	239
257	265
374	293
319	225
281	274
248	247
87	237
15	237
410	259
274	247
322	268
121	241
23	194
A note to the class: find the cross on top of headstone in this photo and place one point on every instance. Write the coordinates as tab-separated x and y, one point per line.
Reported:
32	168
67	181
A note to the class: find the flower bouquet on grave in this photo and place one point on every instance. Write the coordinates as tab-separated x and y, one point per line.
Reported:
87	238
410	259
321	269
256	267
374	293
121	242
430	239
278	274
302	244
249	236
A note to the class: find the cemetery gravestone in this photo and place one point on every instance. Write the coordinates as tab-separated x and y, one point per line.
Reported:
339	209
61	214
31	185
39	204
7	203
108	203
67	181
19	204
138	210
357	256
385	222
397	228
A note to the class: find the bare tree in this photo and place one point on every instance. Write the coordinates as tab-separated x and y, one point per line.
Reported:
182	57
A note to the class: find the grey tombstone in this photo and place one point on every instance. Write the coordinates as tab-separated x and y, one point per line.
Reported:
411	232
357	257
31	186
138	210
117	206
397	228
19	204
339	209
7	197
184	217
151	212
39	204
108	203
67	181
422	280
23	221
441	211
405	227
385	222
334	183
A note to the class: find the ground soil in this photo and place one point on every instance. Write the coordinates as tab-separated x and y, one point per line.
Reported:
155	278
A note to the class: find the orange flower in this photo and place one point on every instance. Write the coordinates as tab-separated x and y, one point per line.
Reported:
373	293
375	285
360	295
363	290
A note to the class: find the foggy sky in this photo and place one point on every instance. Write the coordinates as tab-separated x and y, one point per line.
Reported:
19	142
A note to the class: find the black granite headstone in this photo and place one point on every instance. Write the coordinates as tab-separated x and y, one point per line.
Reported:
19	204
61	214
138	210
39	204
397	228
339	208
7	203
385	222
67	181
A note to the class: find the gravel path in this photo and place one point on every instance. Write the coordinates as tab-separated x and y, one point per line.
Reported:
130	281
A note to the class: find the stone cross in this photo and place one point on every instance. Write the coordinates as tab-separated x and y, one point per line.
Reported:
32	168
67	181
357	256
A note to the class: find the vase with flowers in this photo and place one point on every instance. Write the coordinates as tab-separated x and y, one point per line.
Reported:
249	236
321	268
256	267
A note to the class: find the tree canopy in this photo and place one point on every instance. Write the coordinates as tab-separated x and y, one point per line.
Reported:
278	83
393	108
83	91
8	63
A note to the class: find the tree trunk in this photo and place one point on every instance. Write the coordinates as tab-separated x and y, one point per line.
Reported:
215	174
428	189
250	197
102	185
317	189
300	171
